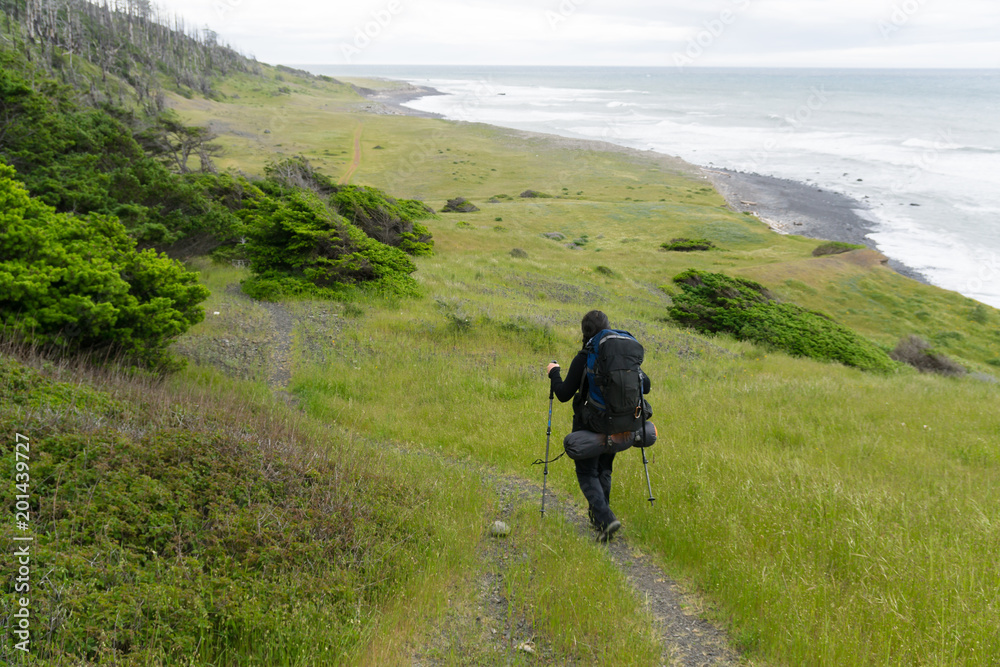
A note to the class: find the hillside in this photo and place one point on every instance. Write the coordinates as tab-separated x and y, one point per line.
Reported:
794	494
128	53
318	484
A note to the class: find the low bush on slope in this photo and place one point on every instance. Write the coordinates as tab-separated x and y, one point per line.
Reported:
167	532
717	303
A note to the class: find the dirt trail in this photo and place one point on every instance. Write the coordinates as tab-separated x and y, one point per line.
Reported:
280	350
356	162
687	639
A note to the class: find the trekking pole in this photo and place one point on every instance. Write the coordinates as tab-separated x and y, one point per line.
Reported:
548	434
645	463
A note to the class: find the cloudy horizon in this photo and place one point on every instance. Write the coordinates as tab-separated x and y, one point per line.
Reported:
720	33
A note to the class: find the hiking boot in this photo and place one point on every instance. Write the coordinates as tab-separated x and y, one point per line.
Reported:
608	531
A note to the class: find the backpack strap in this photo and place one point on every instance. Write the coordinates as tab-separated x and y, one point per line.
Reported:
584	384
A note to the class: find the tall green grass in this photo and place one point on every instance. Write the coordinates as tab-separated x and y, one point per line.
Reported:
839	518
831	516
584	607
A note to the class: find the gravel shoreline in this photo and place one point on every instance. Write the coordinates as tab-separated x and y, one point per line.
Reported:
793	207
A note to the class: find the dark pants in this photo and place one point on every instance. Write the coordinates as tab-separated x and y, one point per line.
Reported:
594	476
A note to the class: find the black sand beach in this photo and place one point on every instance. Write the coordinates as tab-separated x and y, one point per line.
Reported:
792	207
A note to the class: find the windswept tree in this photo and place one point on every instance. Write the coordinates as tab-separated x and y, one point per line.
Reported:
176	143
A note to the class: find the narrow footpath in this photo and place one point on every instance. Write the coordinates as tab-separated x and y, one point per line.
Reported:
356	160
687	639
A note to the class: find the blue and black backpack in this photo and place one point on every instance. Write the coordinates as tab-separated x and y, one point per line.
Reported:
613	402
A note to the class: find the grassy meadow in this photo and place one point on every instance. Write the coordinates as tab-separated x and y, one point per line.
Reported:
825	515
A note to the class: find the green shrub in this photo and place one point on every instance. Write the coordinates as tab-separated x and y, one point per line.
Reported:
391	221
385	219
297	173
835	248
534	194
78	284
460	205
207	543
979	314
296	243
716	303
687	245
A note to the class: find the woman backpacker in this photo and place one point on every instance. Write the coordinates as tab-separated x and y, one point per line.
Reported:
606	385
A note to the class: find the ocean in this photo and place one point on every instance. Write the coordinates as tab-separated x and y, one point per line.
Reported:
921	148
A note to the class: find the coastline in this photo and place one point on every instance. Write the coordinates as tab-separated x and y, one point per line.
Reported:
794	207
786	206
391	100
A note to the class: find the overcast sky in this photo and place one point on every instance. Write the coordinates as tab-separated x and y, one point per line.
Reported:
763	33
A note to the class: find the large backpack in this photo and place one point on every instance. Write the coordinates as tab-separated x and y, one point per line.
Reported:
613	402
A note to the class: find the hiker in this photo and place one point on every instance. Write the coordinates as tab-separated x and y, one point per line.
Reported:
593	474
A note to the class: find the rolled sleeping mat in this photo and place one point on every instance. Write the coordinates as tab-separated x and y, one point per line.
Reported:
587	444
